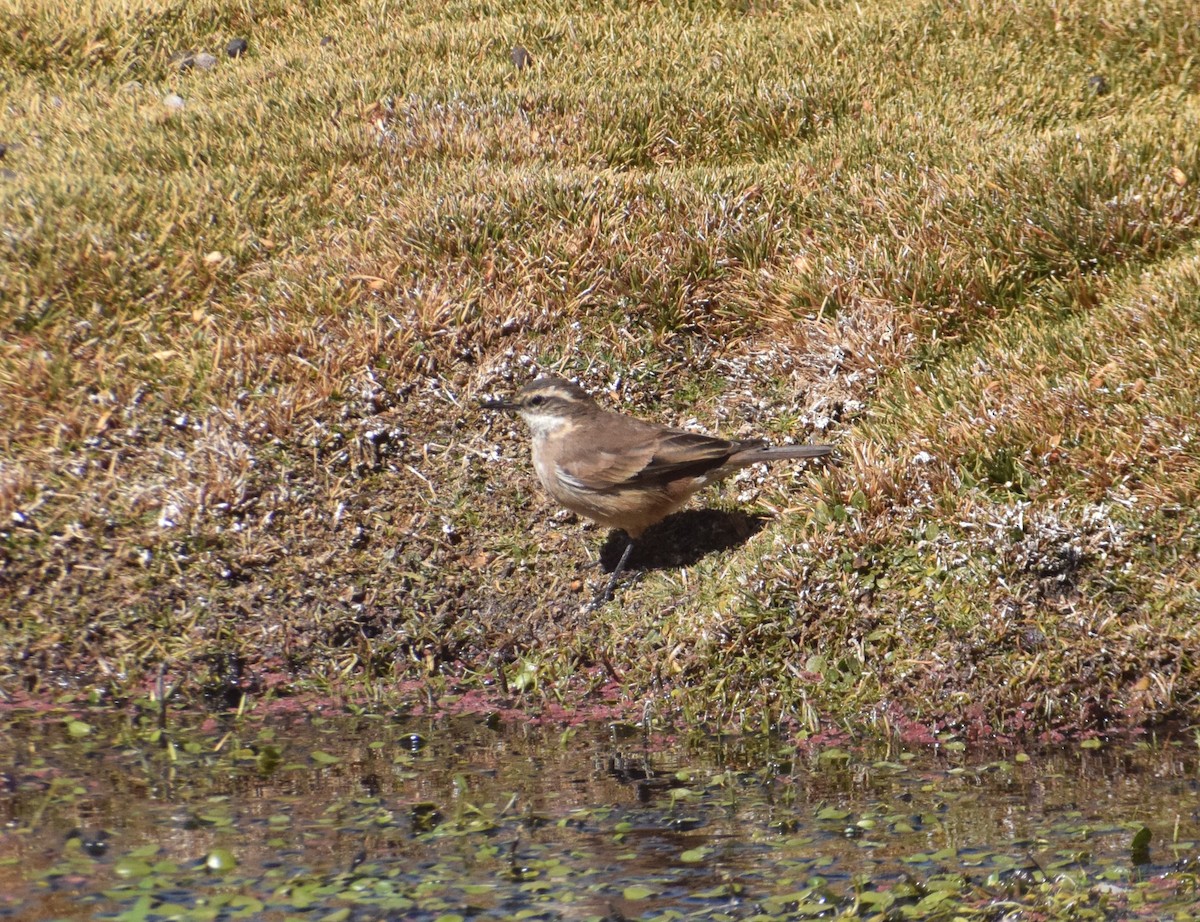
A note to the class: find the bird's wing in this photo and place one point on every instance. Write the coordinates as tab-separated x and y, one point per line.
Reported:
685	454
648	455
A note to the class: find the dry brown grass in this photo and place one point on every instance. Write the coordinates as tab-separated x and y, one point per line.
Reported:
243	341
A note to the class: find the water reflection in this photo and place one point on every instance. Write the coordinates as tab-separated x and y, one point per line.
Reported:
381	818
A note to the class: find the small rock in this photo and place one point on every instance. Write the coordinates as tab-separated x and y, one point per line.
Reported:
521	58
1098	84
327	40
174	102
1032	638
95	844
205	61
236	47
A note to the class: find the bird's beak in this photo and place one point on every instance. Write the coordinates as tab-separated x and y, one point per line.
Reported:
497	405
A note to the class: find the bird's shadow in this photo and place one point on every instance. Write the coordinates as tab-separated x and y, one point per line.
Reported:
682	539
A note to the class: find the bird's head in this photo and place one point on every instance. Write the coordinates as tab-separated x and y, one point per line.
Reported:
546	404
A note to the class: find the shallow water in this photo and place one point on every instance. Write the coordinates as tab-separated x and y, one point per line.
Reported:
377	818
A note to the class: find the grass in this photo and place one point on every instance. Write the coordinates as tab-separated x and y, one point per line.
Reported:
243	343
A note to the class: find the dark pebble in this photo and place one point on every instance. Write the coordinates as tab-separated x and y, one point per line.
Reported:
1098	84
521	58
96	844
326	40
236	47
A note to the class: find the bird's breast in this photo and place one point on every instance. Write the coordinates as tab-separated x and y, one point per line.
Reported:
543	463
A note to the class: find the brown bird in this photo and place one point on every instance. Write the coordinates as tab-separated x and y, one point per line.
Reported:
623	472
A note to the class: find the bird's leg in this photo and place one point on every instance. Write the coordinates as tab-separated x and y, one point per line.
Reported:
606	594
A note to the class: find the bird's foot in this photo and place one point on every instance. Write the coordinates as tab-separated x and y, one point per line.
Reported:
601	597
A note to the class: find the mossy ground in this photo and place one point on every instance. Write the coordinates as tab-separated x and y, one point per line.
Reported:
243	343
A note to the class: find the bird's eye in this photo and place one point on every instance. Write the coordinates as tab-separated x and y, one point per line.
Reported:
536	401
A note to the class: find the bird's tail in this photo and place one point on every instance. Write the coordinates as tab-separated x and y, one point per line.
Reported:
756	454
